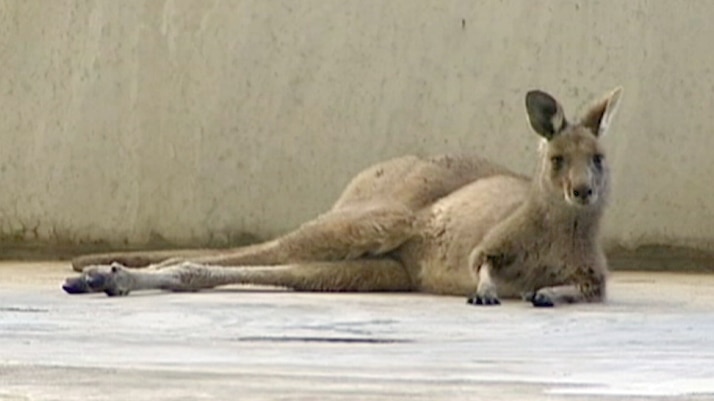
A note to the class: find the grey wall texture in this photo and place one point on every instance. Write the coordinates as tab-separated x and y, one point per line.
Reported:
195	122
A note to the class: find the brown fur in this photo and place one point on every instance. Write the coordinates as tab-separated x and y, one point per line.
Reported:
445	225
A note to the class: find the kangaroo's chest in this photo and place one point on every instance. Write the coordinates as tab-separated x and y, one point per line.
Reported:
548	261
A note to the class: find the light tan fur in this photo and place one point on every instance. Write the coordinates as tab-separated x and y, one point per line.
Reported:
455	225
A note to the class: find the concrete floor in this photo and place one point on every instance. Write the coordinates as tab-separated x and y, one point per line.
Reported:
654	339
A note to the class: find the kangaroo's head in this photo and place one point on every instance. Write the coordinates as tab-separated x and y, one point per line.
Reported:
573	165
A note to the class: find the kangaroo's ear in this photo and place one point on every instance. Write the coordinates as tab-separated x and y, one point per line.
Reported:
599	116
545	114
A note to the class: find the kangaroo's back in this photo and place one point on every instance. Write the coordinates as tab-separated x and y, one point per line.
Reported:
416	182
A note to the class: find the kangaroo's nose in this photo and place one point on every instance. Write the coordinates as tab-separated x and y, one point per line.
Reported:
582	192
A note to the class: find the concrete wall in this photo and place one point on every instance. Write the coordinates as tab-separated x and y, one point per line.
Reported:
136	122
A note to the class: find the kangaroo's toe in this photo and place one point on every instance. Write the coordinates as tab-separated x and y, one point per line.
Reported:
76	285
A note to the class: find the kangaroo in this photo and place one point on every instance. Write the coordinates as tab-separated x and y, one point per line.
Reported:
451	225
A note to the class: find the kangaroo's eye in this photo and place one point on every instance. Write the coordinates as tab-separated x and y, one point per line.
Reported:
557	162
597	161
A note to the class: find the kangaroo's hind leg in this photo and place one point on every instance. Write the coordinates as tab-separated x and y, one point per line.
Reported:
343	234
359	275
346	233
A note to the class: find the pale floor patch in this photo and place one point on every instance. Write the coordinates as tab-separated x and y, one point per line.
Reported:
652	340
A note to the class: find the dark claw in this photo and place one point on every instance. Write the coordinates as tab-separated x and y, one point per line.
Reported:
479	300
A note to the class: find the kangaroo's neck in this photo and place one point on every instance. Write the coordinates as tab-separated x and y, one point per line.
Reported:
550	210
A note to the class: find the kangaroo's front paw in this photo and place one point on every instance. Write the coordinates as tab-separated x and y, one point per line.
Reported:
542	299
483	300
485	295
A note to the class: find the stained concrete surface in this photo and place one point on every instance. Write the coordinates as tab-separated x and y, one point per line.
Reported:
652	340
